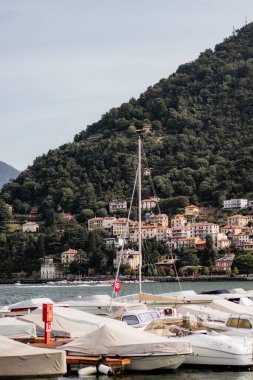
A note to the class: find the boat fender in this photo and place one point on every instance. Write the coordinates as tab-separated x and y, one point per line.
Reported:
87	371
102	368
105	370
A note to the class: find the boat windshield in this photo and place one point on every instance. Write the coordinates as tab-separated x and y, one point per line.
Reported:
145	317
130	319
239	323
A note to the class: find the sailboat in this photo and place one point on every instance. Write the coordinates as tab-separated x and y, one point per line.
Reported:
140	296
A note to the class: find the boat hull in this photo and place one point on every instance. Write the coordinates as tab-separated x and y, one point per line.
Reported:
154	362
220	350
214	358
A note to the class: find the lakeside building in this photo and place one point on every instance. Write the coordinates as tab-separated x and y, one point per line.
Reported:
163	233
239	220
201	230
159	219
186	243
67	257
120	228
30	227
117	204
129	257
178	221
191	211
235	204
223	264
48	270
101	223
147	232
149	203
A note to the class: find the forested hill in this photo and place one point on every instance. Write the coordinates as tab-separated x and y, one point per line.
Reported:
200	146
7	172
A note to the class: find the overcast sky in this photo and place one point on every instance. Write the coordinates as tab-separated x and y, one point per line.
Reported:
64	63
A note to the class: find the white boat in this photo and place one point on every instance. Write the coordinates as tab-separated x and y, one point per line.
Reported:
15	329
19	360
146	351
26	306
95	304
213	349
210	348
235	325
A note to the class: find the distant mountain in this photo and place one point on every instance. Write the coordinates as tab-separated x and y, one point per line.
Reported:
7	173
200	147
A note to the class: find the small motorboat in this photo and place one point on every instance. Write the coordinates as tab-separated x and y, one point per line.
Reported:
146	351
19	360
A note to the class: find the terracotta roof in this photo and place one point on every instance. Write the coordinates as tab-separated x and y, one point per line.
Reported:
70	251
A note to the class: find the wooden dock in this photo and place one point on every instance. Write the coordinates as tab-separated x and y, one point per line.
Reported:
75	361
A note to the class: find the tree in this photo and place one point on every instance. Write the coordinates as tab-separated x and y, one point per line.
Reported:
244	263
209	253
4	214
131	130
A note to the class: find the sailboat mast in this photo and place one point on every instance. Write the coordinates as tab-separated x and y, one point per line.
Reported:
139	209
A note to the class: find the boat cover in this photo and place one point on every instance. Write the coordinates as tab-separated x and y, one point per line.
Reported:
78	316
23	360
230	307
124	340
13	328
30	303
61	327
203	312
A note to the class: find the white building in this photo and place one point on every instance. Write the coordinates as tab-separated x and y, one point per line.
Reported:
30	227
235	204
69	256
48	270
163	233
116	205
239	220
129	257
120	228
202	229
149	203
104	223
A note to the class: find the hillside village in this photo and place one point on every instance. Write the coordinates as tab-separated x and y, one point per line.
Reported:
182	233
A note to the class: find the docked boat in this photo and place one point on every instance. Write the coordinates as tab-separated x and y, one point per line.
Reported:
235	325
26	306
19	360
213	349
209	348
95	304
15	329
146	351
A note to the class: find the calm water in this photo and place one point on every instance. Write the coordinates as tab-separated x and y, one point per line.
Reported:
11	293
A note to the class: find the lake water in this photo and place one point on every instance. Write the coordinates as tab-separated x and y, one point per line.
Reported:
13	293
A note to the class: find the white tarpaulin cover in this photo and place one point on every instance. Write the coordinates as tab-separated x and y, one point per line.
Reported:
30	303
124	340
205	312
231	307
22	360
79	316
61	327
13	328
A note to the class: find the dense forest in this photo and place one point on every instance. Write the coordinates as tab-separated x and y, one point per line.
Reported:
199	147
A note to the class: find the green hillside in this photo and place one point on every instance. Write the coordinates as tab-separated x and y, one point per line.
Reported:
200	146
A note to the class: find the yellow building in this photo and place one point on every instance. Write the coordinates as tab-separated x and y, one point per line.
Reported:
191	210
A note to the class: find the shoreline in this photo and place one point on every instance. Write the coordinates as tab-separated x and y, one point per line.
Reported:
129	279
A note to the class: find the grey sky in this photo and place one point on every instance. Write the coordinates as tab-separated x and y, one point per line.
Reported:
64	63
